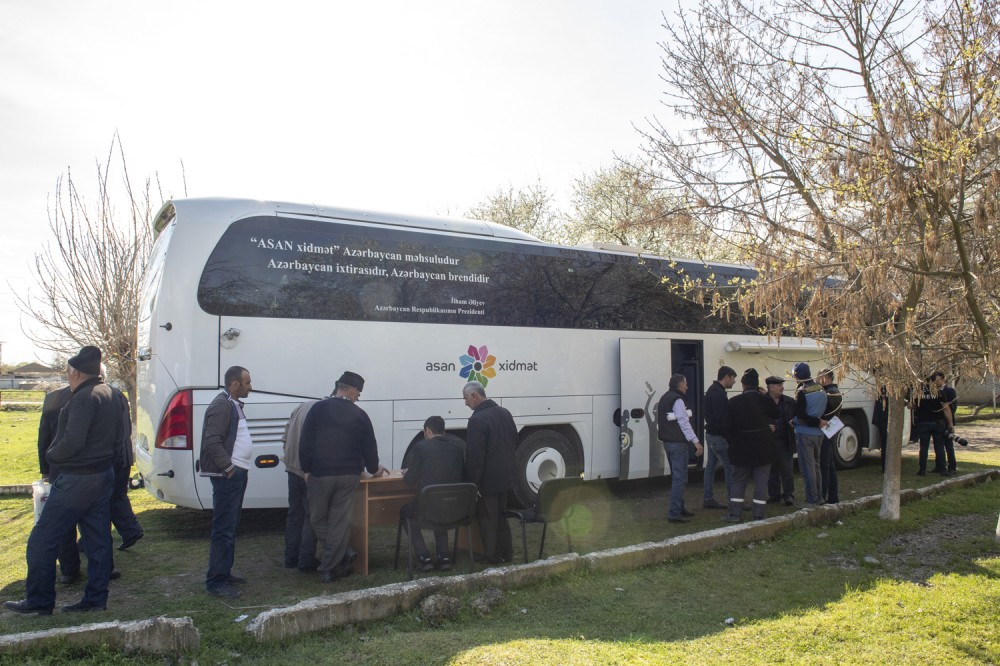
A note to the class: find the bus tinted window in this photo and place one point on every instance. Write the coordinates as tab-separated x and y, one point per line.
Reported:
307	269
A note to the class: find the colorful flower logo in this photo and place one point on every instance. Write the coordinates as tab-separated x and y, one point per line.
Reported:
477	365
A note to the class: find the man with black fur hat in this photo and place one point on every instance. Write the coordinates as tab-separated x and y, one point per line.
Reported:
336	444
83	450
750	433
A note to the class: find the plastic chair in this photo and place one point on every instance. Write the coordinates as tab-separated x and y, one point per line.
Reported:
556	501
444	506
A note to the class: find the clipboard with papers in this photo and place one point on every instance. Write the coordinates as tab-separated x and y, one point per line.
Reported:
833	426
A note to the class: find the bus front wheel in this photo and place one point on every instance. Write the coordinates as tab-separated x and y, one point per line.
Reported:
543	455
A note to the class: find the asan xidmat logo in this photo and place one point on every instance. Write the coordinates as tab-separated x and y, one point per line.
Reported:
477	365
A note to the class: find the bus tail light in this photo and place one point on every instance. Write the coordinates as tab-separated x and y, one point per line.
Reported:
175	427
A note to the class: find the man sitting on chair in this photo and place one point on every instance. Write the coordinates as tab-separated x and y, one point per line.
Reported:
438	458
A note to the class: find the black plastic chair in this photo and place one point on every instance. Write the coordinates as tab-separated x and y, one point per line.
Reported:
444	506
556	501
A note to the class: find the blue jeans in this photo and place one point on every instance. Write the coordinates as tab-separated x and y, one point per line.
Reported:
300	539
75	499
716	451
227	502
809	449
677	456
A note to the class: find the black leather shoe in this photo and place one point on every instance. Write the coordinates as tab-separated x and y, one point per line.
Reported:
131	541
69	579
713	504
81	607
224	590
114	575
921	473
678	520
686	513
236	580
789	501
730	519
25	608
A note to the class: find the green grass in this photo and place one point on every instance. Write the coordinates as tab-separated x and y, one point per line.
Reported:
19	444
807	597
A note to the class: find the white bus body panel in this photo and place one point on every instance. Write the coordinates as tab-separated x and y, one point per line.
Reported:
570	379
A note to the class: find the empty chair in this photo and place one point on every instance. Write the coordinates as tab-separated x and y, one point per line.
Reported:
555	502
443	506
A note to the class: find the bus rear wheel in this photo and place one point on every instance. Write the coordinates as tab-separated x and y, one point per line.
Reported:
847	446
543	455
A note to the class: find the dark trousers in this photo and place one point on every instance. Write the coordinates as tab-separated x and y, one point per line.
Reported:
409	510
928	430
331	508
781	481
741	475
227	504
493	529
122	515
829	489
75	499
300	538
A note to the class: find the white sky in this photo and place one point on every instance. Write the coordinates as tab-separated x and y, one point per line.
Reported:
413	106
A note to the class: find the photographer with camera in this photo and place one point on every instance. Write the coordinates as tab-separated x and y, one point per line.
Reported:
933	418
950	397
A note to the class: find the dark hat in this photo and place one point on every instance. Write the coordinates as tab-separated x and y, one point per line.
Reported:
774	380
750	378
801	371
352	379
88	361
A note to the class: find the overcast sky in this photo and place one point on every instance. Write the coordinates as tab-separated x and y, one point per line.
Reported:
409	106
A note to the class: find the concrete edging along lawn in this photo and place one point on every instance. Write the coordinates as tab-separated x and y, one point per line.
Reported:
335	610
177	635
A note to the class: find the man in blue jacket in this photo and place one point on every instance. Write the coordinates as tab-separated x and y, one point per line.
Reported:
810	405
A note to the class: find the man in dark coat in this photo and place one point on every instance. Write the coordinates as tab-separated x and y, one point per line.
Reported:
438	458
750	434
83	450
781	484
68	553
490	442
337	443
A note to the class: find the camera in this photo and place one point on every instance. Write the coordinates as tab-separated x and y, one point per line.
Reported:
961	441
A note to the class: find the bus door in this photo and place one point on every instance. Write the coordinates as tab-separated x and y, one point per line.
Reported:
645	371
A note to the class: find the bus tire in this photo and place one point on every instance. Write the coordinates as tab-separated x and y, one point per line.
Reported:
847	448
543	455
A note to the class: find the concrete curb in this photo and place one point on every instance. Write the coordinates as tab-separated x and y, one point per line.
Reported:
16	490
330	611
162	635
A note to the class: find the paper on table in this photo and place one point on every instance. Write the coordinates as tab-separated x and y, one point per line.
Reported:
833	426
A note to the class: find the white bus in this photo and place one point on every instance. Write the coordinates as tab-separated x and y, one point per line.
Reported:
568	339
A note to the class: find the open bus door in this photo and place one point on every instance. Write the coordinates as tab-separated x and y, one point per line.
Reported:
645	371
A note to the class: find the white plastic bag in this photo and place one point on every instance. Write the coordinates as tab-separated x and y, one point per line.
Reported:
40	493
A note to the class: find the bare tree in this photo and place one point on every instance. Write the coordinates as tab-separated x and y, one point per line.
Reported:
850	148
624	204
530	210
89	274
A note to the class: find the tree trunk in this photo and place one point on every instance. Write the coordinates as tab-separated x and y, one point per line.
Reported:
893	461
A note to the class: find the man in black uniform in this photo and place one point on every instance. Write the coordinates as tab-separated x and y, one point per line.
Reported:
438	458
781	484
750	432
490	442
932	416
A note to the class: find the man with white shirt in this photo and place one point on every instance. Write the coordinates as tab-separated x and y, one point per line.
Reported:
226	452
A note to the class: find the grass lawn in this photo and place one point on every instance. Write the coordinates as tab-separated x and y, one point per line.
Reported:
925	589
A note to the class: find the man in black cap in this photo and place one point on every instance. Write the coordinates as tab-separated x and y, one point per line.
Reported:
781	484
337	442
750	433
83	450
